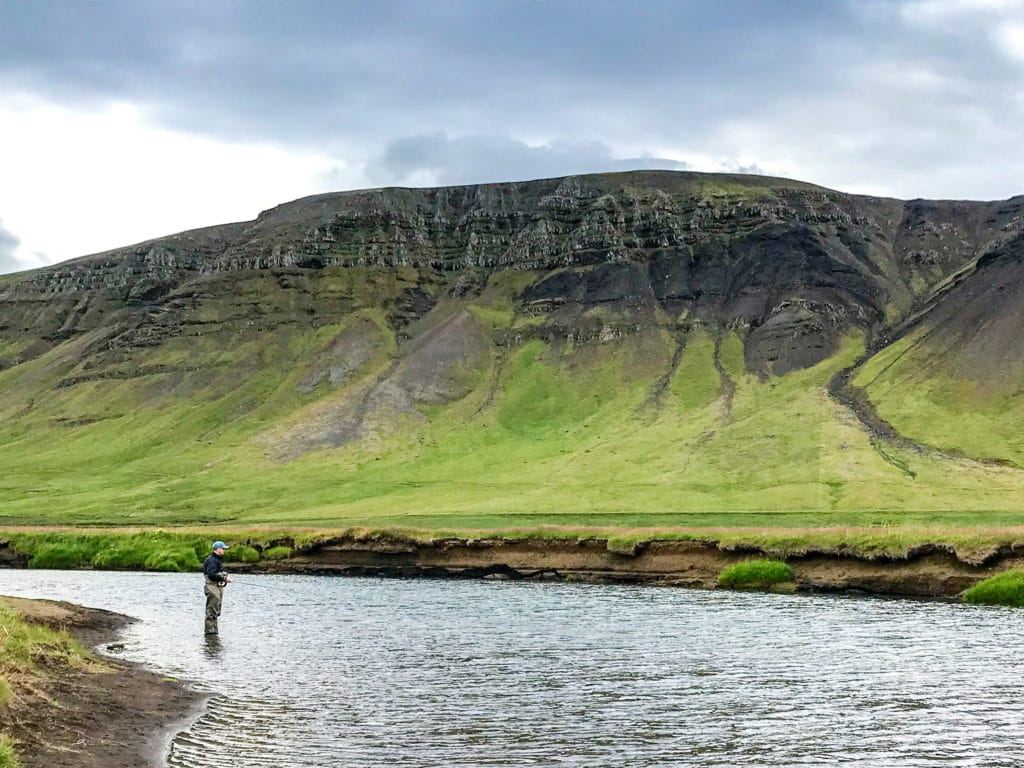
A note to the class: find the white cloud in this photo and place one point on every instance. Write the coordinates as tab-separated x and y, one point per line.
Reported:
80	182
941	11
1010	38
437	159
1000	22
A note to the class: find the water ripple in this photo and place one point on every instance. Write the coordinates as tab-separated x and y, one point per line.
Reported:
316	672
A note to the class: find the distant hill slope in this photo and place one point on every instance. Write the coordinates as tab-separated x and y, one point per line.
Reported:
634	348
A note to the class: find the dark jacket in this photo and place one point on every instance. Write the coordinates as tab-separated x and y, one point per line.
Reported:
213	569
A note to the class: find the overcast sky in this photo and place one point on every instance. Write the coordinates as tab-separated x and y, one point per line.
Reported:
125	120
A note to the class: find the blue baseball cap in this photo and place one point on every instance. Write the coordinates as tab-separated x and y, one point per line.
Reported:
220	545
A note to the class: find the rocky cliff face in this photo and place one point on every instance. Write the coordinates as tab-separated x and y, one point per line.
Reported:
794	266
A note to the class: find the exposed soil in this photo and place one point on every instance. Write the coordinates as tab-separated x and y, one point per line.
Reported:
428	373
110	715
928	570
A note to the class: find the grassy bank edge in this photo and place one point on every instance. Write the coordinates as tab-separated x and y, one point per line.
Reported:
182	549
29	652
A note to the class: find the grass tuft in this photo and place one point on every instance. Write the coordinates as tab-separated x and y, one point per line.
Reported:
241	553
176	559
8	757
59	556
24	644
121	555
24	648
1006	588
277	553
755	574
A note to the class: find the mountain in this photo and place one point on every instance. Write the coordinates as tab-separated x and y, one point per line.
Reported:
643	348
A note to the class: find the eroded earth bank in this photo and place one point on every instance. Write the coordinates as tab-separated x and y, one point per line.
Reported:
924	570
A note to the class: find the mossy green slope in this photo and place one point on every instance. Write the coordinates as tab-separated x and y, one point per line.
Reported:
954	380
619	431
951	409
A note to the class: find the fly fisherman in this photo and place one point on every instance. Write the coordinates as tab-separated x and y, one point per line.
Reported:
213	571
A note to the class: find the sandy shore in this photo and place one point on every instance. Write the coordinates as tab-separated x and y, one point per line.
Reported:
110	715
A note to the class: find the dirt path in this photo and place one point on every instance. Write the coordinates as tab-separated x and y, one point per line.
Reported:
110	715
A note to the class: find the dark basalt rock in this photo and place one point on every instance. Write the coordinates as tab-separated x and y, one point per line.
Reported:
791	265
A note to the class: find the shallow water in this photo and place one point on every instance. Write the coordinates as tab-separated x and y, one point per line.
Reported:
320	671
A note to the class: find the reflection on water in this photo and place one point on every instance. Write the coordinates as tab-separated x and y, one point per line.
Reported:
212	647
316	671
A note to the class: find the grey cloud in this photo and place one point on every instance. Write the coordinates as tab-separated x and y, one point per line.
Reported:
382	84
320	73
753	169
435	158
8	245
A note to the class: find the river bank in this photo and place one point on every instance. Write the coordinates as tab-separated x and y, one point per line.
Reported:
95	711
924	570
919	562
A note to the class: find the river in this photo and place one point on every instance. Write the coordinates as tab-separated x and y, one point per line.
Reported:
361	672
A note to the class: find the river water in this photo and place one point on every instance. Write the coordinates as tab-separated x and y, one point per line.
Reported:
361	672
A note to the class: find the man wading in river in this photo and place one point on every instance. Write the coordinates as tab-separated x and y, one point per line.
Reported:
213	571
